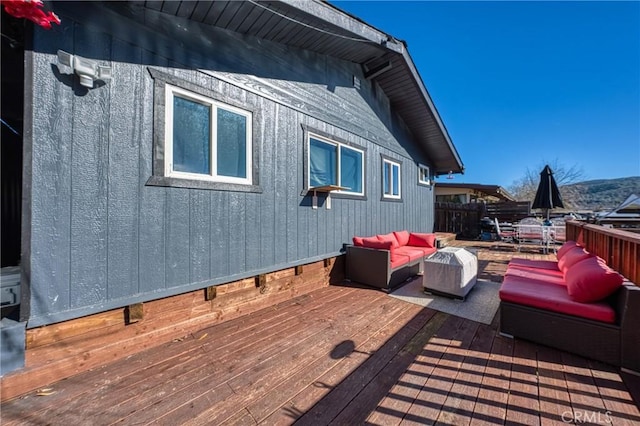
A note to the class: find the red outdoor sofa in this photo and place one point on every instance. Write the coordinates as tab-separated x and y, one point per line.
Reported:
576	304
387	260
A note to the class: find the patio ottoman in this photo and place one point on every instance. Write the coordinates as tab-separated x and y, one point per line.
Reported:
451	271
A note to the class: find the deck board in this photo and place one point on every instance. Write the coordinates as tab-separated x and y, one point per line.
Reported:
341	355
458	407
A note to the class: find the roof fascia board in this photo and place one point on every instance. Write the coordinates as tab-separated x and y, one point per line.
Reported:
340	19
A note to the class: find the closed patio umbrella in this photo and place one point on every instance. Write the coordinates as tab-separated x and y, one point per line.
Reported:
548	195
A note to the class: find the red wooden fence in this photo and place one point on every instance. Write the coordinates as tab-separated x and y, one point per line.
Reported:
620	249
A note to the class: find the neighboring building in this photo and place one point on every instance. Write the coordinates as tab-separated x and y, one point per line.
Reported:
194	164
470	192
626	215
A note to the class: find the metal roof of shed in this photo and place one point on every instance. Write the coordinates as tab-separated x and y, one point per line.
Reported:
325	29
495	191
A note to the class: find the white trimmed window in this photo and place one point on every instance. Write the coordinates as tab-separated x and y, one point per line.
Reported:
335	163
423	175
206	139
391	179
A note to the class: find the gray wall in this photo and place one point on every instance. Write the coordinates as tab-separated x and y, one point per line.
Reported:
100	238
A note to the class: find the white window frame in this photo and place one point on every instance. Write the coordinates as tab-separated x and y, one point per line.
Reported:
424	170
170	92
393	164
339	146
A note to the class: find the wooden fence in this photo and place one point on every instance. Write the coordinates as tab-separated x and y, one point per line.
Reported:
619	248
460	219
464	219
508	211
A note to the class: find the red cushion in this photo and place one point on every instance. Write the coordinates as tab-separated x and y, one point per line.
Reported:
422	240
414	253
553	298
537	274
373	242
389	237
572	257
426	251
591	280
357	241
565	248
398	260
402	237
539	264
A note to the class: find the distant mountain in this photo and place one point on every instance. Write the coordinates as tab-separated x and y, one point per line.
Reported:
600	194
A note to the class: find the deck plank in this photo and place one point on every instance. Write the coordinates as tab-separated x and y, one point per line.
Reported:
523	405
619	404
552	387
349	367
464	392
583	392
491	405
456	333
370	397
137	383
192	389
261	379
336	348
398	400
365	365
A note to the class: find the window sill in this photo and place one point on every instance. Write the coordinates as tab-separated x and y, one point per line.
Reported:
201	184
392	200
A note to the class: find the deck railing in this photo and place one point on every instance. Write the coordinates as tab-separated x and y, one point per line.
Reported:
619	248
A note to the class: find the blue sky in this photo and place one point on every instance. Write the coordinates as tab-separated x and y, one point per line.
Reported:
519	84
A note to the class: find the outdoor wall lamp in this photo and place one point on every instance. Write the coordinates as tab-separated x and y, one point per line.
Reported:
87	69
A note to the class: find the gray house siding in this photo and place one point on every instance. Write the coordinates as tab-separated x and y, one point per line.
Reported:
101	237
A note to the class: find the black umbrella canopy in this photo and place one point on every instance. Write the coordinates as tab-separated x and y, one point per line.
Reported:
548	195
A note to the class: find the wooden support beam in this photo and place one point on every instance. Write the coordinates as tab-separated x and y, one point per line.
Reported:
328	262
376	71
134	313
210	293
261	280
299	270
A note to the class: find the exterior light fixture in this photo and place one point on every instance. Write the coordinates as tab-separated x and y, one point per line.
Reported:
450	175
88	70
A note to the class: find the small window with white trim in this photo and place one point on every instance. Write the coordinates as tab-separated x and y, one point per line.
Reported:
424	177
391	185
206	139
335	163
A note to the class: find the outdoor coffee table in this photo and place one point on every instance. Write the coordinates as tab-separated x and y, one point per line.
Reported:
451	271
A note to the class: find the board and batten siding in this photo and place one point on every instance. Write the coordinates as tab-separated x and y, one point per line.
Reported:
100	237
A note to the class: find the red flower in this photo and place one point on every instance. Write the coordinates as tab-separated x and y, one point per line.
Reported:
32	10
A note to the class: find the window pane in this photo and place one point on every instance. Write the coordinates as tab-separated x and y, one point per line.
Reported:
322	163
423	174
191	136
396	179
386	184
232	144
351	169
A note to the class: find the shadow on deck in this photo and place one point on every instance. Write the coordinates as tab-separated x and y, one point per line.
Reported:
342	355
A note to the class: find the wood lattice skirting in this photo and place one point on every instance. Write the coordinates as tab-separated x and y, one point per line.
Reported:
62	350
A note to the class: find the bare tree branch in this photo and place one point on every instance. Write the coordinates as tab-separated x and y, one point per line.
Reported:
524	189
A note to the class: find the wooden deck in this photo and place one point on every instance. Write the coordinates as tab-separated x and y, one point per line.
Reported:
342	355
